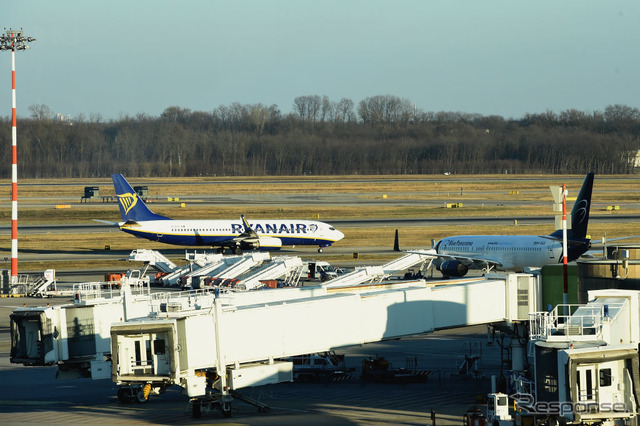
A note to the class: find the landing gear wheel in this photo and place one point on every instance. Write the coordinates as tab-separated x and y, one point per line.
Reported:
237	250
320	250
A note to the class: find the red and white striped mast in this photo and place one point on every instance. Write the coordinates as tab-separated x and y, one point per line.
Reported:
565	273
14	40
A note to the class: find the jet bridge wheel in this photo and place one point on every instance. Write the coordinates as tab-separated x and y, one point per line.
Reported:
124	395
142	396
225	408
196	408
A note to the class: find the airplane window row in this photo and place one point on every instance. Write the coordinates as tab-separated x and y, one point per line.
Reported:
492	248
200	230
516	249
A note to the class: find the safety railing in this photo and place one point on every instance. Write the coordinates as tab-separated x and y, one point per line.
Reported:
568	322
92	291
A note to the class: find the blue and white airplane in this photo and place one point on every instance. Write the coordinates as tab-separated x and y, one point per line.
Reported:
453	256
237	235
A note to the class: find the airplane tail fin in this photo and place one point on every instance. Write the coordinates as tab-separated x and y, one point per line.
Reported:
132	208
396	242
580	211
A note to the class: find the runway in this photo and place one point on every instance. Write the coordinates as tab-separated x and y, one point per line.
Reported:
349	223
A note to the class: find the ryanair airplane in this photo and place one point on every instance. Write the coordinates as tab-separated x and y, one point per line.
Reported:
237	235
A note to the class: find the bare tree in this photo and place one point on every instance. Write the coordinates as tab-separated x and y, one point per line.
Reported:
40	112
344	111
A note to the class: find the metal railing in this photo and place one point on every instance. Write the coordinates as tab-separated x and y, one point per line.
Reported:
91	291
581	322
182	301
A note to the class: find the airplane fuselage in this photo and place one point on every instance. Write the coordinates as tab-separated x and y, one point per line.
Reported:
512	252
214	232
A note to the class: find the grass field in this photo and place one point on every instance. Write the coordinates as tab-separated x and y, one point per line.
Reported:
420	187
393	196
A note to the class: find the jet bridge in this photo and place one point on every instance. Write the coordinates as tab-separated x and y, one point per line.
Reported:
168	348
586	362
75	336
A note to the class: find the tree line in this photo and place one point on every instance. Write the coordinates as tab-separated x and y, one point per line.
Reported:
379	135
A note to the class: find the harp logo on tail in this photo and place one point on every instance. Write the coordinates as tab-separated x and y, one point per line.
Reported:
127	201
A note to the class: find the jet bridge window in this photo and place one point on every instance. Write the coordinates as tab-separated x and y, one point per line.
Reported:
584	382
138	353
159	347
605	377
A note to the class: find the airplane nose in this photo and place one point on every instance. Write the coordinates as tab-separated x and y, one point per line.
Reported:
339	235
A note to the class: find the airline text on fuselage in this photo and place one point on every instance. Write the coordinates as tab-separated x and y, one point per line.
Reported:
292	228
459	243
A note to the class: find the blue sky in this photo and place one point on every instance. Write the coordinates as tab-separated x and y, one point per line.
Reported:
508	57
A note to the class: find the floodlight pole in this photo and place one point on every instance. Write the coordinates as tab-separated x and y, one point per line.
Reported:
14	40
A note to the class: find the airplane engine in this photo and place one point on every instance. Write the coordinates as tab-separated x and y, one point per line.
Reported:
270	243
453	268
264	243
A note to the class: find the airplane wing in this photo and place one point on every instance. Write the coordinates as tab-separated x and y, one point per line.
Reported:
474	262
607	240
108	222
457	265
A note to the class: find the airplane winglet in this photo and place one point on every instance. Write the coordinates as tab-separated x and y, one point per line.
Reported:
248	230
245	223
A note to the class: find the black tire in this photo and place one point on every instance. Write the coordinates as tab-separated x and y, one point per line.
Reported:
124	395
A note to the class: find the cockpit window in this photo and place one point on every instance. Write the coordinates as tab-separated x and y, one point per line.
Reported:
332	228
